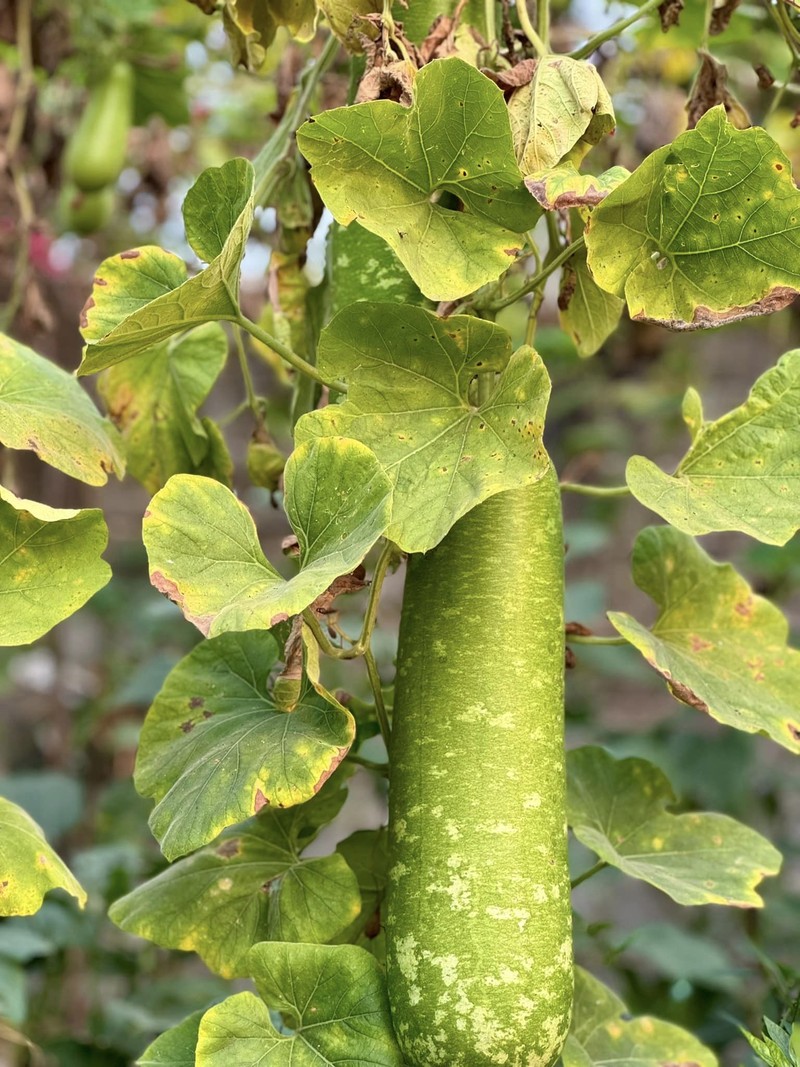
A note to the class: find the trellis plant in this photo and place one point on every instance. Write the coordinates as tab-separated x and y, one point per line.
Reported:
444	939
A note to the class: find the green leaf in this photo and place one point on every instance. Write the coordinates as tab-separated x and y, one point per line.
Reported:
217	462
564	105
176	1047
214	748
29	868
251	26
51	564
154	398
563	186
367	855
391	168
250	886
586	312
603	1034
143	297
705	231
43	408
617	808
742	472
205	554
363	267
334	997
721	648
409	376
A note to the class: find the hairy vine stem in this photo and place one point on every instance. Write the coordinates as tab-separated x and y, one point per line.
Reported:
595	490
587	874
286	353
528	28
613	31
541	276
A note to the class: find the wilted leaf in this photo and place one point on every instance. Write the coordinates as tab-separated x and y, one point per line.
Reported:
176	1047
742	472
617	808
153	398
335	997
29	868
586	312
409	374
50	564
251	26
710	89
215	749
603	1033
705	231
563	186
564	105
204	551
363	267
720	648
250	886
44	409
143	297
345	18
392	169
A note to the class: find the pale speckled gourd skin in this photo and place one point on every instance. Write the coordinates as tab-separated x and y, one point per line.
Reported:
479	946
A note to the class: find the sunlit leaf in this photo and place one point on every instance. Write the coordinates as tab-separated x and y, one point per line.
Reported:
618	808
564	105
742	472
29	868
563	186
50	564
144	296
604	1034
363	267
721	648
250	886
392	169
205	554
153	398
334	996
44	409
705	231
409	400
215	749
587	313
251	26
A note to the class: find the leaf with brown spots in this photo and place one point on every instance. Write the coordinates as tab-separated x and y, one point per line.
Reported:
618	808
29	868
603	1032
720	647
409	400
705	231
242	753
710	89
742	472
250	886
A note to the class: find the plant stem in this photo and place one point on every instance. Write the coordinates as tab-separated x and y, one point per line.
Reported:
543	21
591	639
491	22
286	353
528	30
595	490
380	706
613	31
540	276
707	24
252	399
371	765
590	873
381	568
268	162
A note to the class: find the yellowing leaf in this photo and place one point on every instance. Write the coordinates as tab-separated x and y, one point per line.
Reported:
705	231
742	472
586	312
29	868
617	808
721	648
392	169
563	186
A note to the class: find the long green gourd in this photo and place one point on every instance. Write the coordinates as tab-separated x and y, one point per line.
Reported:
479	922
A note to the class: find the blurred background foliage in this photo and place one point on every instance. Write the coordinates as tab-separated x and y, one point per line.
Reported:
82	992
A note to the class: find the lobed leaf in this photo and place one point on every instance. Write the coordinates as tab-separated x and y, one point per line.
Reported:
705	231
391	169
721	648
409	376
51	565
604	1034
215	749
29	868
334	997
742	472
154	398
204	551
144	296
250	886
617	808
174	1048
43	408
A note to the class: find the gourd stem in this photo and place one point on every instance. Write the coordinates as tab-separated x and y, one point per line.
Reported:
613	31
286	353
377	692
591	639
590	873
539	277
528	30
595	490
252	399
